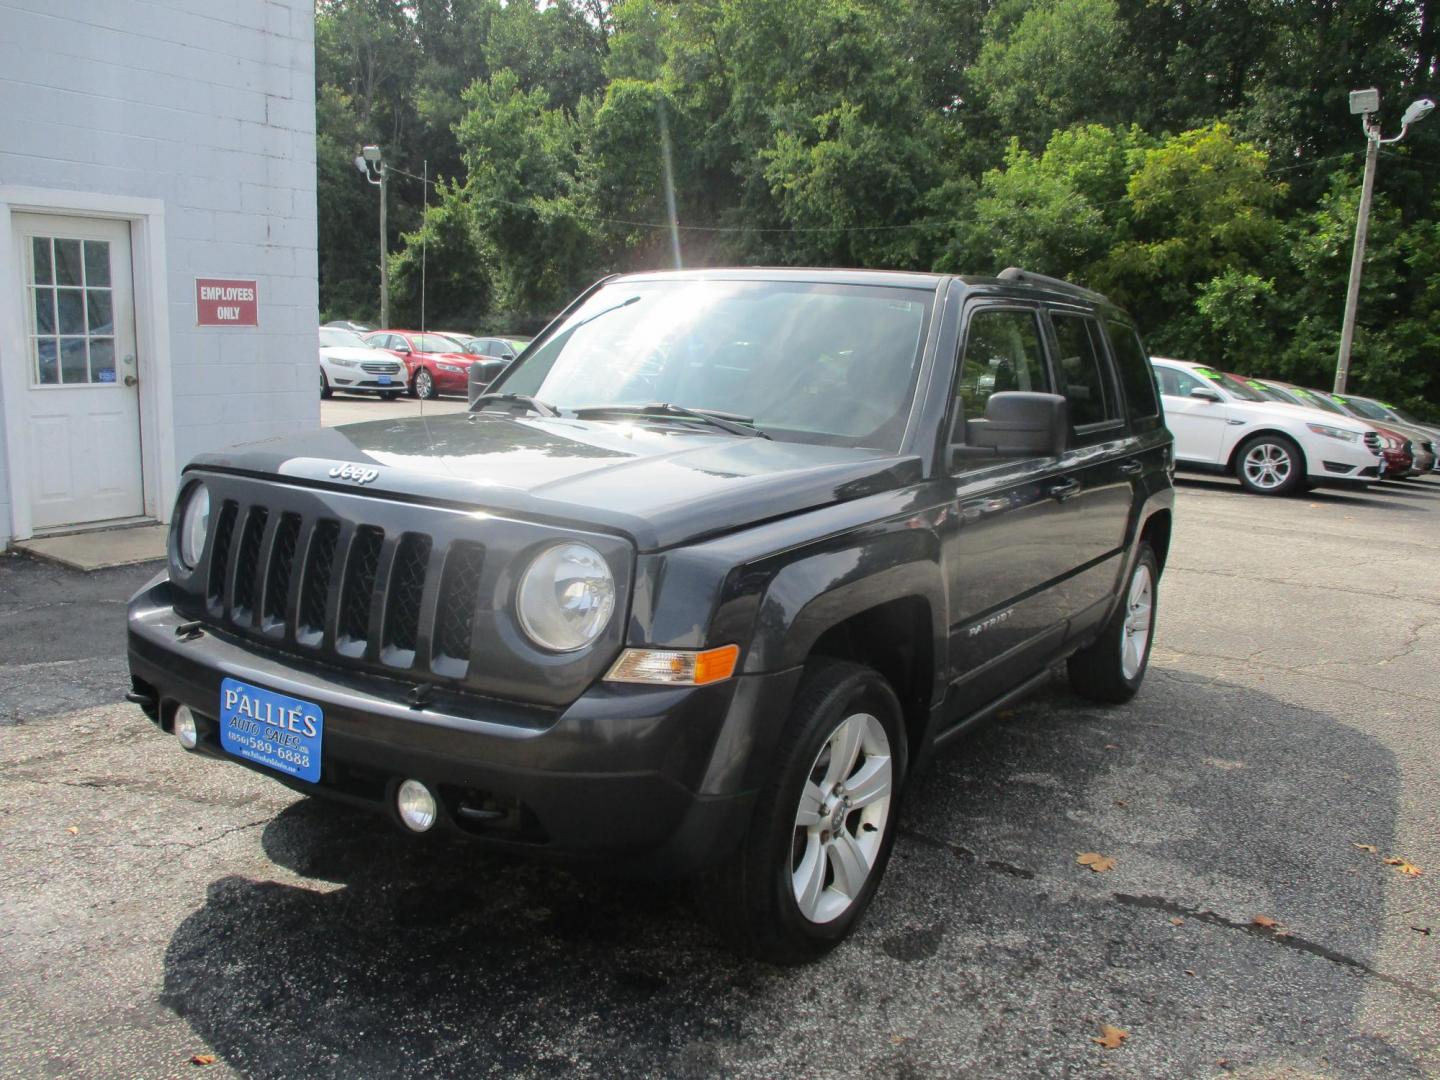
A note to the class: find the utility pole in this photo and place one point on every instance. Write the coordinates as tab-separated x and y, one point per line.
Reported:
1365	104
372	163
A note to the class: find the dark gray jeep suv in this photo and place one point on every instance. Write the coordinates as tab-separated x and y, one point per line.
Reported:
695	588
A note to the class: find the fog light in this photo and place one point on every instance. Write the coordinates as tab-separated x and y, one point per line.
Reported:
185	729
416	805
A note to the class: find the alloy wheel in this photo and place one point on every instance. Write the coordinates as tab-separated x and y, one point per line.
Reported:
1267	466
1139	610
841	819
423	383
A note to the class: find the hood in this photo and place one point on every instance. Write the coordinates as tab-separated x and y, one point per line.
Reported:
351	352
657	485
1280	412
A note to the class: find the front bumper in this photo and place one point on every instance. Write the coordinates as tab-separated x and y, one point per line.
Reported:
657	780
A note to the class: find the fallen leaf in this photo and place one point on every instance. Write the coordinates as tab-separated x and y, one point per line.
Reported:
1097	862
1112	746
1421	930
203	1059
1367	847
1110	1037
1177	921
1409	869
1189	971
73	830
1265	922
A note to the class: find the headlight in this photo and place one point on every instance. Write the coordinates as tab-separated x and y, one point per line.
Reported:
1333	432
566	597
194	524
343	361
450	367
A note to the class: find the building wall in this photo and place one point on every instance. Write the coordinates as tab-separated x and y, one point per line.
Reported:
210	108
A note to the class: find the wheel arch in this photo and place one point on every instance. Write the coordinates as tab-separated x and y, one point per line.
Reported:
1281	432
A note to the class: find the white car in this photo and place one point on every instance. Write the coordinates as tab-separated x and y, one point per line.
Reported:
1222	425
350	363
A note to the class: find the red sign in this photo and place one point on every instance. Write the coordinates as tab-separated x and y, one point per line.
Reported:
226	302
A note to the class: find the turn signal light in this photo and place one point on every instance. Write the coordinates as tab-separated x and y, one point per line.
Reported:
675	667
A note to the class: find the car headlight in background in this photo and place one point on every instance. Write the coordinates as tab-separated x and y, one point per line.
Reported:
451	367
1333	432
566	597
194	524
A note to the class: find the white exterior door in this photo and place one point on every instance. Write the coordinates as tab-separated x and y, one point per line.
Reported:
82	403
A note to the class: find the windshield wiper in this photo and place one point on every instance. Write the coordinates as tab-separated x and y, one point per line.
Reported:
533	404
731	422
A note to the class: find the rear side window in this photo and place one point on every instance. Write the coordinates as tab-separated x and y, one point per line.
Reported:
1084	375
1136	376
1002	352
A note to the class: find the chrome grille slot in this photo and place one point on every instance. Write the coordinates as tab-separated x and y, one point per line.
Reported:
358	592
315	587
403	593
247	565
455	611
375	368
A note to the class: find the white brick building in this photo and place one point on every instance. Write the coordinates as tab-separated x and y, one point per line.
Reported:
145	144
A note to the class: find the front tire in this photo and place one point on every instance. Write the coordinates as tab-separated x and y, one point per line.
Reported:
325	391
390	395
1270	465
1111	668
425	385
817	846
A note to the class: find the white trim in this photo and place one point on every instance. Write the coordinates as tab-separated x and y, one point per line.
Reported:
152	340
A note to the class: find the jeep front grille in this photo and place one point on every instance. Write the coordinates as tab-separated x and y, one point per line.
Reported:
354	594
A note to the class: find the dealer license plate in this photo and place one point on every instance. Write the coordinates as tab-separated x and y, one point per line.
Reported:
280	732
383	380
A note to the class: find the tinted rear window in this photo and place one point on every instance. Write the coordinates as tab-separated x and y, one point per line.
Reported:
1136	375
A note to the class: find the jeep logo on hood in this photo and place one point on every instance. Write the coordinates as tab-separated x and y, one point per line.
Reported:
354	472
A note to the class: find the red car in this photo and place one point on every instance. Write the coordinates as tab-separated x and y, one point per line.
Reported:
435	364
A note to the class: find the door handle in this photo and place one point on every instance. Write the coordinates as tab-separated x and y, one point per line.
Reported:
130	380
1064	489
1132	468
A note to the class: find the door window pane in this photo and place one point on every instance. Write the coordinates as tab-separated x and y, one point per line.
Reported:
102	360
1135	372
102	318
73	368
47	371
68	270
71	309
97	262
41	270
1002	352
1084	375
44	310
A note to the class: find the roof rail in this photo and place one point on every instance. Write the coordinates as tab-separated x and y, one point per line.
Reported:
1029	277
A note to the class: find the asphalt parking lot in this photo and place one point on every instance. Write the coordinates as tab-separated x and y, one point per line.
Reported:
159	907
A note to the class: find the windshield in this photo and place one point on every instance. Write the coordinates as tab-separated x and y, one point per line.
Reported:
1269	393
805	361
1315	401
1231	386
333	337
434	343
1367	409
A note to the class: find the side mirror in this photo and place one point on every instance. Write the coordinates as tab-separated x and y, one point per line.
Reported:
1018	423
1204	393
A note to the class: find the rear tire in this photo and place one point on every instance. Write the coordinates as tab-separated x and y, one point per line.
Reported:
1269	465
816	849
1111	669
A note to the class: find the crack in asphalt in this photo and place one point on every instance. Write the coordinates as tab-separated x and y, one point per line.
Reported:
1293	584
1279	937
1306	670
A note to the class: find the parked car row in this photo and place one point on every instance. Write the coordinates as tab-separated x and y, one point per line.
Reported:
424	364
1277	439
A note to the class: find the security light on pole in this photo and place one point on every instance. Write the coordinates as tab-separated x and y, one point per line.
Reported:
1365	103
371	162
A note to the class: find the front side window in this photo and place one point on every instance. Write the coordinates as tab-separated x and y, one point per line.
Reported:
805	361
1177	383
1002	352
1082	371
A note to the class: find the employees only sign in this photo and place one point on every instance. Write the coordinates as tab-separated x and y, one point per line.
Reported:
226	302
